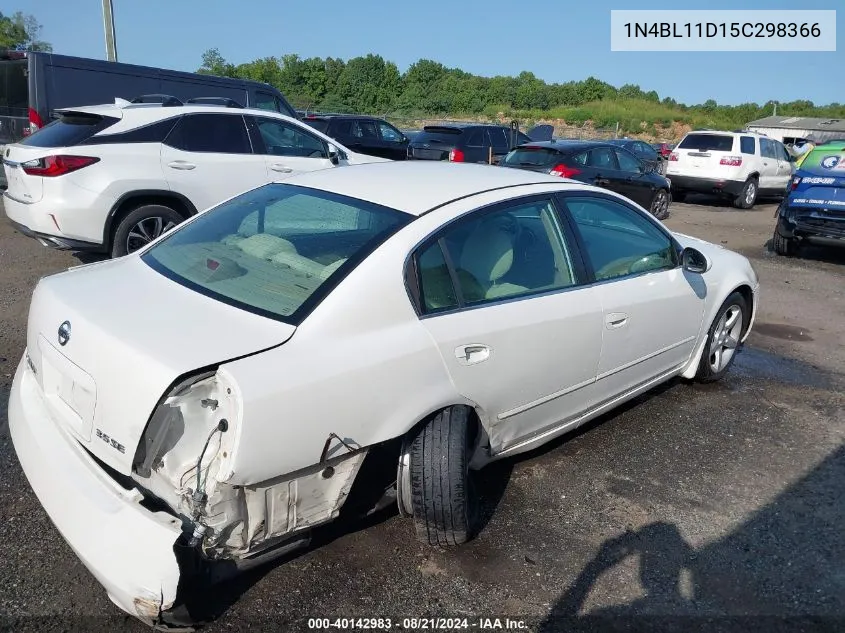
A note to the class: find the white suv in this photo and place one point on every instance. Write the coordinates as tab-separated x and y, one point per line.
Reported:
737	165
112	178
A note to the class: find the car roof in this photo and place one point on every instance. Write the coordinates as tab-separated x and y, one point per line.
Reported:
138	114
419	186
566	145
318	117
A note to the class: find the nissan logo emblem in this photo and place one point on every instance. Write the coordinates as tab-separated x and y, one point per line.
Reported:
64	333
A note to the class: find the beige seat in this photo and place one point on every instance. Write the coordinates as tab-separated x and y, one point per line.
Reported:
487	256
265	246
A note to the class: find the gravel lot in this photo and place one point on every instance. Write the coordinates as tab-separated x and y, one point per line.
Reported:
696	508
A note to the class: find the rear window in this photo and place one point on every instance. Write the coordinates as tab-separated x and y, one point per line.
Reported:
70	129
276	250
825	161
707	143
532	157
438	135
320	125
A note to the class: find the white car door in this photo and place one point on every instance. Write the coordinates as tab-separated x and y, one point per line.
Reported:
518	333
769	166
288	149
652	308
208	158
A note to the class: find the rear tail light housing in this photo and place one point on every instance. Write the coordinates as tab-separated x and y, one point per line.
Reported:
564	171
673	156
35	123
456	156
52	166
795	182
731	161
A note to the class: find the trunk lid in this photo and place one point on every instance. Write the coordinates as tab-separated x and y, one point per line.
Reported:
120	356
700	154
434	142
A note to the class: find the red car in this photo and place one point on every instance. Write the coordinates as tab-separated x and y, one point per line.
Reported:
664	149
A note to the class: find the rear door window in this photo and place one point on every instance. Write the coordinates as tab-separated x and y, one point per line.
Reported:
365	129
218	133
477	138
265	101
767	148
627	161
747	145
707	143
602	158
69	130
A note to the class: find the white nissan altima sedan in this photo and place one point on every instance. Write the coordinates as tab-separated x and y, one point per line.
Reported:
211	398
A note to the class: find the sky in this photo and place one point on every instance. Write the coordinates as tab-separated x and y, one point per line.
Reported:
557	41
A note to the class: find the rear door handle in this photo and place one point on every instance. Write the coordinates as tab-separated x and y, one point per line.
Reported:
181	164
472	353
615	320
281	168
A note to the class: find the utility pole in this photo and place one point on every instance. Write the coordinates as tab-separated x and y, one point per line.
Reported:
108	26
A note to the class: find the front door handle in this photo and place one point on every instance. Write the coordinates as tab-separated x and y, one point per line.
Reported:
472	353
281	168
615	320
181	164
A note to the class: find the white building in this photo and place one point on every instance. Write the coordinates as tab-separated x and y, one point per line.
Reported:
789	129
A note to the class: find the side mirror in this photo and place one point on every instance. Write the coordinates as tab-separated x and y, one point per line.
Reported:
694	261
333	153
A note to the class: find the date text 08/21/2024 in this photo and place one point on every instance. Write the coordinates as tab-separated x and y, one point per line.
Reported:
417	624
722	29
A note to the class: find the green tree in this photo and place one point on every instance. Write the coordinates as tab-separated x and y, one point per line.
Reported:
213	63
369	84
21	31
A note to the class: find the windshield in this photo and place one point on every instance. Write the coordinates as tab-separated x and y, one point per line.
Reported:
276	250
532	157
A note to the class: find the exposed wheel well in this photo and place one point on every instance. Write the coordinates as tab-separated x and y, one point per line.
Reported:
127	204
748	295
375	483
753	176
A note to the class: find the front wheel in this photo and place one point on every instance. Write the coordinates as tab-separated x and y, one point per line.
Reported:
660	204
141	226
443	498
723	339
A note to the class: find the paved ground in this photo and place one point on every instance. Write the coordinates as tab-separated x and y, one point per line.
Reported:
698	507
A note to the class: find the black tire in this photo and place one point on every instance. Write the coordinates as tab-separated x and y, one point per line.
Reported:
748	196
679	196
659	206
784	245
147	215
706	372
442	492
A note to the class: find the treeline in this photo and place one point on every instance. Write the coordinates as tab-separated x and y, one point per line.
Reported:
373	85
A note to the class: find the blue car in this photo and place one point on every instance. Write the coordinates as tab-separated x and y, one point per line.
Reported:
814	210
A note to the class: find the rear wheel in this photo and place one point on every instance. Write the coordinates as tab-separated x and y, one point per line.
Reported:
443	498
141	226
748	196
660	204
787	246
723	339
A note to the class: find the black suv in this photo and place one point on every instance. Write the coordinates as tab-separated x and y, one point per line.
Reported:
465	142
363	134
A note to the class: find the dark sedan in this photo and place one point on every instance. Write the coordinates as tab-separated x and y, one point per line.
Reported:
643	151
597	163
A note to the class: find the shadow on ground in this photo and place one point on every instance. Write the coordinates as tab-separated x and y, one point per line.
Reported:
782	570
